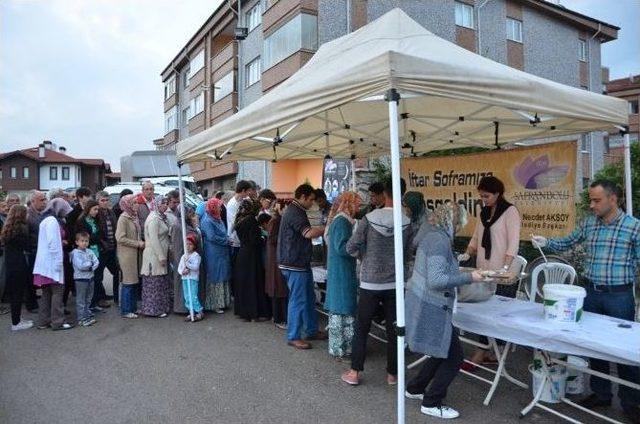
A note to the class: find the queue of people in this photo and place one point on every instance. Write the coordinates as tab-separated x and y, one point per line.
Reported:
253	253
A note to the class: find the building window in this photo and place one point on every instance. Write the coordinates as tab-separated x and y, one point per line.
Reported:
0	174
514	30
186	115
633	107
223	87
170	87
14	172
197	62
53	173
464	15
65	173
197	105
582	50
301	32
170	120
254	16
585	144
25	172
252	72
186	74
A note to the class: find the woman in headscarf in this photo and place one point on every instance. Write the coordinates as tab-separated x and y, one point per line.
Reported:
15	241
129	245
156	300
48	273
216	258
250	299
429	303
342	282
495	242
275	286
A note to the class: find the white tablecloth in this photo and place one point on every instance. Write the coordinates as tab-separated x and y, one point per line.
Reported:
523	323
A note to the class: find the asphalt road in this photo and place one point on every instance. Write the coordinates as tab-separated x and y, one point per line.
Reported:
220	370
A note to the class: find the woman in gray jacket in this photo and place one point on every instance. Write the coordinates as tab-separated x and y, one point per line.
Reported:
429	304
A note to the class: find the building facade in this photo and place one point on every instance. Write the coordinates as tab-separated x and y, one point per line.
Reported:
629	90
535	36
46	167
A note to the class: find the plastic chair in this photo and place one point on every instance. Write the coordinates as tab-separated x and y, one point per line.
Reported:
554	273
518	266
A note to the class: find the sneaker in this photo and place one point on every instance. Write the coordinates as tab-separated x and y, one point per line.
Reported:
43	326
441	411
351	377
163	315
219	311
22	325
88	322
281	325
410	395
65	326
130	315
392	380
4	310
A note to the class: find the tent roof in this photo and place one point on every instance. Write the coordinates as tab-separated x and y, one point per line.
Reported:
450	97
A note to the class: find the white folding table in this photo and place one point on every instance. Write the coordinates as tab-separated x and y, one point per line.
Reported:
522	323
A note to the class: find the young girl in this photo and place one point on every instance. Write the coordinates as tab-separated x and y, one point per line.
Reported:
15	239
189	268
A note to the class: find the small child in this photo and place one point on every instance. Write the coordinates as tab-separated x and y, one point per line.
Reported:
84	263
189	268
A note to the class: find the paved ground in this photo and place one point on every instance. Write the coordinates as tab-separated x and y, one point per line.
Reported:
220	370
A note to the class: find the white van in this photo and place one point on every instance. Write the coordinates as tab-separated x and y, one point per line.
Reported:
190	199
172	181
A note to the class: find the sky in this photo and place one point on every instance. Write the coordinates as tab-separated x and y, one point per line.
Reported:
85	74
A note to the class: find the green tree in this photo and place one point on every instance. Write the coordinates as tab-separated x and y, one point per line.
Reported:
615	172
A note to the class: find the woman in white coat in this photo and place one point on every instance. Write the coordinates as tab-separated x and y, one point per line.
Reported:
48	272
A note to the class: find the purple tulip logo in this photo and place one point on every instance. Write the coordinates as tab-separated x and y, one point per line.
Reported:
535	173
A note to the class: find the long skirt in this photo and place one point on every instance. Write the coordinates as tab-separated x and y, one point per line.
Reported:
190	295
218	296
155	295
341	331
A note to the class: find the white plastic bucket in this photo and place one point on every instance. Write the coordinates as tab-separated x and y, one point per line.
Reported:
563	302
558	376
575	378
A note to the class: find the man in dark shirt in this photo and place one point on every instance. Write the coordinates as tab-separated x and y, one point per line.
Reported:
294	261
83	195
37	203
108	258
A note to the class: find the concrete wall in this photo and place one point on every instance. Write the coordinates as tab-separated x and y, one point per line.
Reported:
491	21
436	16
250	48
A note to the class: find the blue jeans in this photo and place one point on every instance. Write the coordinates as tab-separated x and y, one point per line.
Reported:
301	313
128	298
619	305
84	293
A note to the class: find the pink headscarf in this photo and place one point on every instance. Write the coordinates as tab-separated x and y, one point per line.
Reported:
126	204
214	207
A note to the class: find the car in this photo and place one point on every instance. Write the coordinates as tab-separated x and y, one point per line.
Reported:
190	199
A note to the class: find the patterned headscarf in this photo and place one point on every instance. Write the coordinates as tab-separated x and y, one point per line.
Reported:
159	200
126	205
445	218
214	207
414	200
347	204
58	208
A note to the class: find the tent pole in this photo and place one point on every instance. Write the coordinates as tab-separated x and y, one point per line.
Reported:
183	222
627	173
393	97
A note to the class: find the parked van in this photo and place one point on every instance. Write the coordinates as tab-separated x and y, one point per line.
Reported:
190	199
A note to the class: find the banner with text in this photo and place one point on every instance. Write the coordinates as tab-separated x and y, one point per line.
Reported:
539	181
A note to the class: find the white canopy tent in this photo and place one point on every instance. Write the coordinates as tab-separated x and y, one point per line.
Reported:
390	85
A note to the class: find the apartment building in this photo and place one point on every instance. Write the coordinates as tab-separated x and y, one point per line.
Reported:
629	90
217	73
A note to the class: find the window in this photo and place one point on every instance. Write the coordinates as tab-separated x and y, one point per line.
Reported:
252	72
170	120
464	15
633	107
197	62
223	87
65	173
186	74
585	144
14	172
0	174
170	87
25	172
514	30
197	105
185	115
582	50
53	173
300	32
254	16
